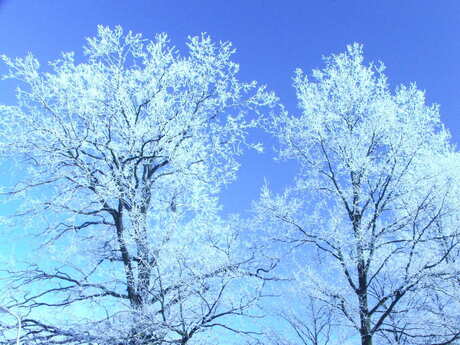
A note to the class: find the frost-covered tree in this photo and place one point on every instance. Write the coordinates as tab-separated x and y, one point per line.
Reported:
375	201
120	159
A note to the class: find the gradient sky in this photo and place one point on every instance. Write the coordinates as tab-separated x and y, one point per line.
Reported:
418	40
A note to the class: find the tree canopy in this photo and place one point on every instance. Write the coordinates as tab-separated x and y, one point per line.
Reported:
120	158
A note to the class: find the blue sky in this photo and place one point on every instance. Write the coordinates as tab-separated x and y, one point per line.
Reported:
418	40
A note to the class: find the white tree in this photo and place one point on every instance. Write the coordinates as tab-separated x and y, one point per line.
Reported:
375	198
121	159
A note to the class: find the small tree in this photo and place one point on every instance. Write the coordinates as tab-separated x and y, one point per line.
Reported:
314	328
122	158
375	196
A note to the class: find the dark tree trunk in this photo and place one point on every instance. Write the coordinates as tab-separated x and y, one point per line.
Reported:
364	315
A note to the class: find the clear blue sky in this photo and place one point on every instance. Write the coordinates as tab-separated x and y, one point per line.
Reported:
418	40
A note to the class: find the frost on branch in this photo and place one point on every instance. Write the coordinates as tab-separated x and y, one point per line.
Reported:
121	159
375	201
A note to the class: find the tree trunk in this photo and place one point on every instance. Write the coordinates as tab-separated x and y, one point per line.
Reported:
366	339
365	327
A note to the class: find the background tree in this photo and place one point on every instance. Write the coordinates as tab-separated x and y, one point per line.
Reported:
375	197
121	159
314	327
316	330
